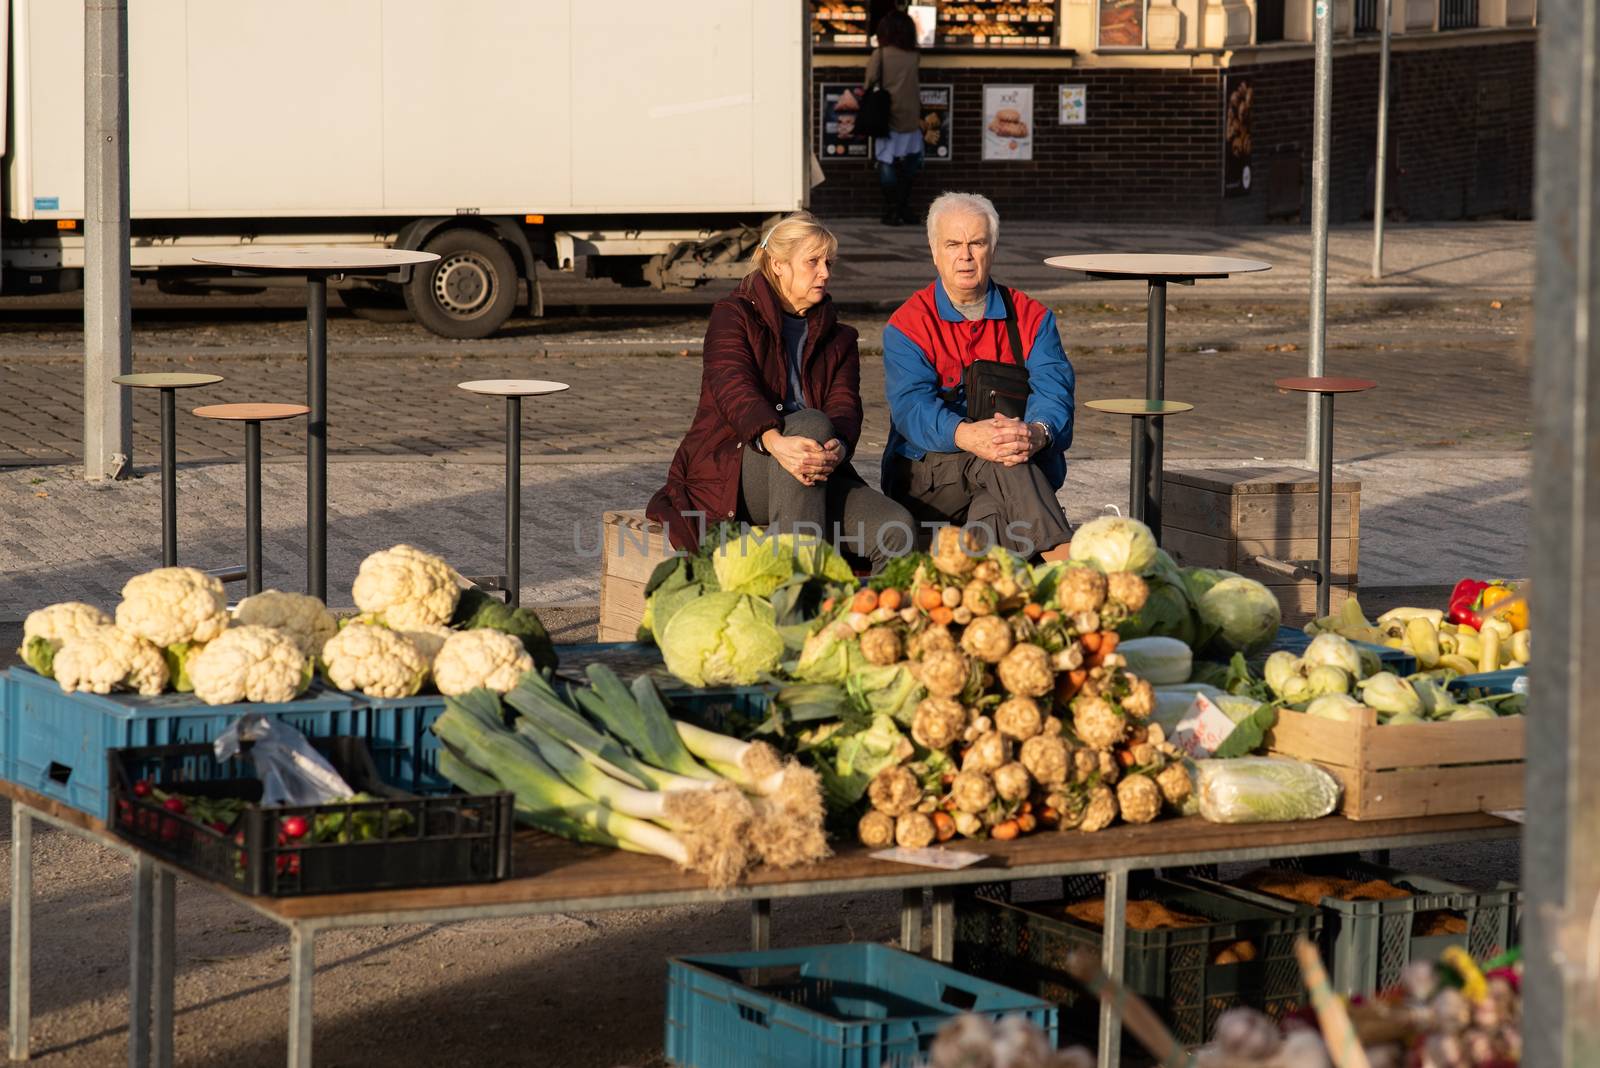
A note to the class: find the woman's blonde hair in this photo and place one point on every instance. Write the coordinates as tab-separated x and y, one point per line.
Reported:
788	236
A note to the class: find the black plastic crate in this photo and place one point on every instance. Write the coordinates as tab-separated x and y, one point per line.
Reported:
399	840
1026	944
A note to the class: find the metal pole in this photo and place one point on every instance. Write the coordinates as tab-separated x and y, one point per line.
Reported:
1321	143
163	960
1113	939
1381	176
761	923
21	930
1139	471
1155	388
513	500
317	436
252	506
139	938
1561	867
302	970
107	332
169	478
943	927
911	920
1325	505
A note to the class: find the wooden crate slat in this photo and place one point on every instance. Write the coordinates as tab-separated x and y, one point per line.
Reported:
621	608
1269	517
1266	480
1438	791
1200	550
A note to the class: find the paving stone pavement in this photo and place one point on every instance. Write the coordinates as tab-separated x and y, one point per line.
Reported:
1426	519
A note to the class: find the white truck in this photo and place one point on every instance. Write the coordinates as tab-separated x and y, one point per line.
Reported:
645	140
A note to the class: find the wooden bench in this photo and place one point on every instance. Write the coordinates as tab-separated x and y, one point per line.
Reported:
1226	518
630	548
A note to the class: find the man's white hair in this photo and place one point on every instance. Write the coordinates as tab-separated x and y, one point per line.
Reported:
963	203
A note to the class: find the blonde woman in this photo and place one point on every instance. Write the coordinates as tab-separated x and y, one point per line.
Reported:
780	412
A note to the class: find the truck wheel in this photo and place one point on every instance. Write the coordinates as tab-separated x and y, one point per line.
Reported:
380	302
470	291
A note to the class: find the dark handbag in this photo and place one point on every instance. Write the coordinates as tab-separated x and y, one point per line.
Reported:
993	385
873	118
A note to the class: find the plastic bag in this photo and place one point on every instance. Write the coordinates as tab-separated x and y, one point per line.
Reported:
292	771
1264	790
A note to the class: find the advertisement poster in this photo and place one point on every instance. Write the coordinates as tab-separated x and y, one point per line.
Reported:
926	16
1236	105
1074	105
1121	23
1008	122
936	122
840	141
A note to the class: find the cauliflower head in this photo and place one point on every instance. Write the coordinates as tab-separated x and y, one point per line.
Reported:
304	618
173	604
376	661
110	658
474	658
250	663
45	629
408	586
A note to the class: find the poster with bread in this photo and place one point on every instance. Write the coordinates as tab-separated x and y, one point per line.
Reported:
936	121
840	139
1008	122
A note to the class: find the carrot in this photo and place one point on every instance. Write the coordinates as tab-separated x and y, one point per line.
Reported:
944	827
1125	757
1050	616
929	598
864	602
1090	641
1109	640
1049	816
1005	831
1026	823
942	615
1027	806
827	606
1033	611
889	599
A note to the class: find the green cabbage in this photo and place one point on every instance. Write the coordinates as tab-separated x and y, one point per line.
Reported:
722	639
827	657
887	690
815	558
1115	543
1168	611
1245	614
1199	580
755	563
1264	790
847	762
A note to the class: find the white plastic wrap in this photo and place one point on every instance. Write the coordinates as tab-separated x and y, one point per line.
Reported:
1264	790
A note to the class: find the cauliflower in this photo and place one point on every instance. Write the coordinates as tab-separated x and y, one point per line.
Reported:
881	645
250	663
988	638
894	791
110	658
1097	724
302	617
173	604
374	660
1081	589
1045	757
876	830
46	629
938	722
972	791
1127	589
408	586
1139	798
473	658
428	639
1026	672
1012	782
1019	718
945	673
1101	810
913	830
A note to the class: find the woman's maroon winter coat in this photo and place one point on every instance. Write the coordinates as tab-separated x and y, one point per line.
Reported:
741	397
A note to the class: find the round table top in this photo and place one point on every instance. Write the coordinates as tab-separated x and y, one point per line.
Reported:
334	260
1139	406
512	387
1326	385
1157	265
252	413
166	380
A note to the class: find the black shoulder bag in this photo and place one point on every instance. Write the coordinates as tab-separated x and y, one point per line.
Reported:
994	385
873	118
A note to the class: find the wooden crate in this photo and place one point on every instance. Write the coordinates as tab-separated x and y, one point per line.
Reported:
631	547
1226	518
1424	769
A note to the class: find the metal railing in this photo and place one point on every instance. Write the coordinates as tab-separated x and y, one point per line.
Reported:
1457	14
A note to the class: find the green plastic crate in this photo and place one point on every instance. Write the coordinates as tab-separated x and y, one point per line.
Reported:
1369	943
860	1005
1027	944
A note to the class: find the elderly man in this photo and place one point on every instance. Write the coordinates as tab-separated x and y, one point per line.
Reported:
1001	473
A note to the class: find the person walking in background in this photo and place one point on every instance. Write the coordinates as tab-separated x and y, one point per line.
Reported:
780	412
894	63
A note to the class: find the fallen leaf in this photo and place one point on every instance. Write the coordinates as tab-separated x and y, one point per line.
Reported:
41	493
1496	305
1272	348
1290	346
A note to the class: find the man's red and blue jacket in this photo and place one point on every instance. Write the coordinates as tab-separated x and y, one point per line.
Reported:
927	347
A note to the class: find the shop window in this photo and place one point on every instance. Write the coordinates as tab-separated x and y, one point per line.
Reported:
1269	21
1458	14
1366	14
1121	23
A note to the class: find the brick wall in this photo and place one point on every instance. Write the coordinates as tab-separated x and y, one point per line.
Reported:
1461	135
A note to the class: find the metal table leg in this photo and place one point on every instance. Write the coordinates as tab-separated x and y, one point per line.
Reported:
21	930
302	968
1113	940
513	500
317	436
944	924
169	475
1325	504
911	920
139	961
252	506
1155	389
761	923
1138	482
162	966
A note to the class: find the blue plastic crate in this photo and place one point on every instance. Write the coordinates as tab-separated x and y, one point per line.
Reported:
716	708
1396	660
851	1006
1489	682
55	743
404	748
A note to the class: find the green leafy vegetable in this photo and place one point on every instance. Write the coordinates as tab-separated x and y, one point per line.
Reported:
722	639
477	610
1248	734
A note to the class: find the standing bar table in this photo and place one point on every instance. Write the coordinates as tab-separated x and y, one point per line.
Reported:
1157	270
513	390
252	416
168	382
318	265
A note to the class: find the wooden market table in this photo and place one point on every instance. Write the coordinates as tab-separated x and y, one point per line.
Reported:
553	875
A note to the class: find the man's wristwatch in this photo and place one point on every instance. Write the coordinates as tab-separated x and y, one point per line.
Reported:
1046	430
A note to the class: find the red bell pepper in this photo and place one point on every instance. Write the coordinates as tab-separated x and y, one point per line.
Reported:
1463	600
